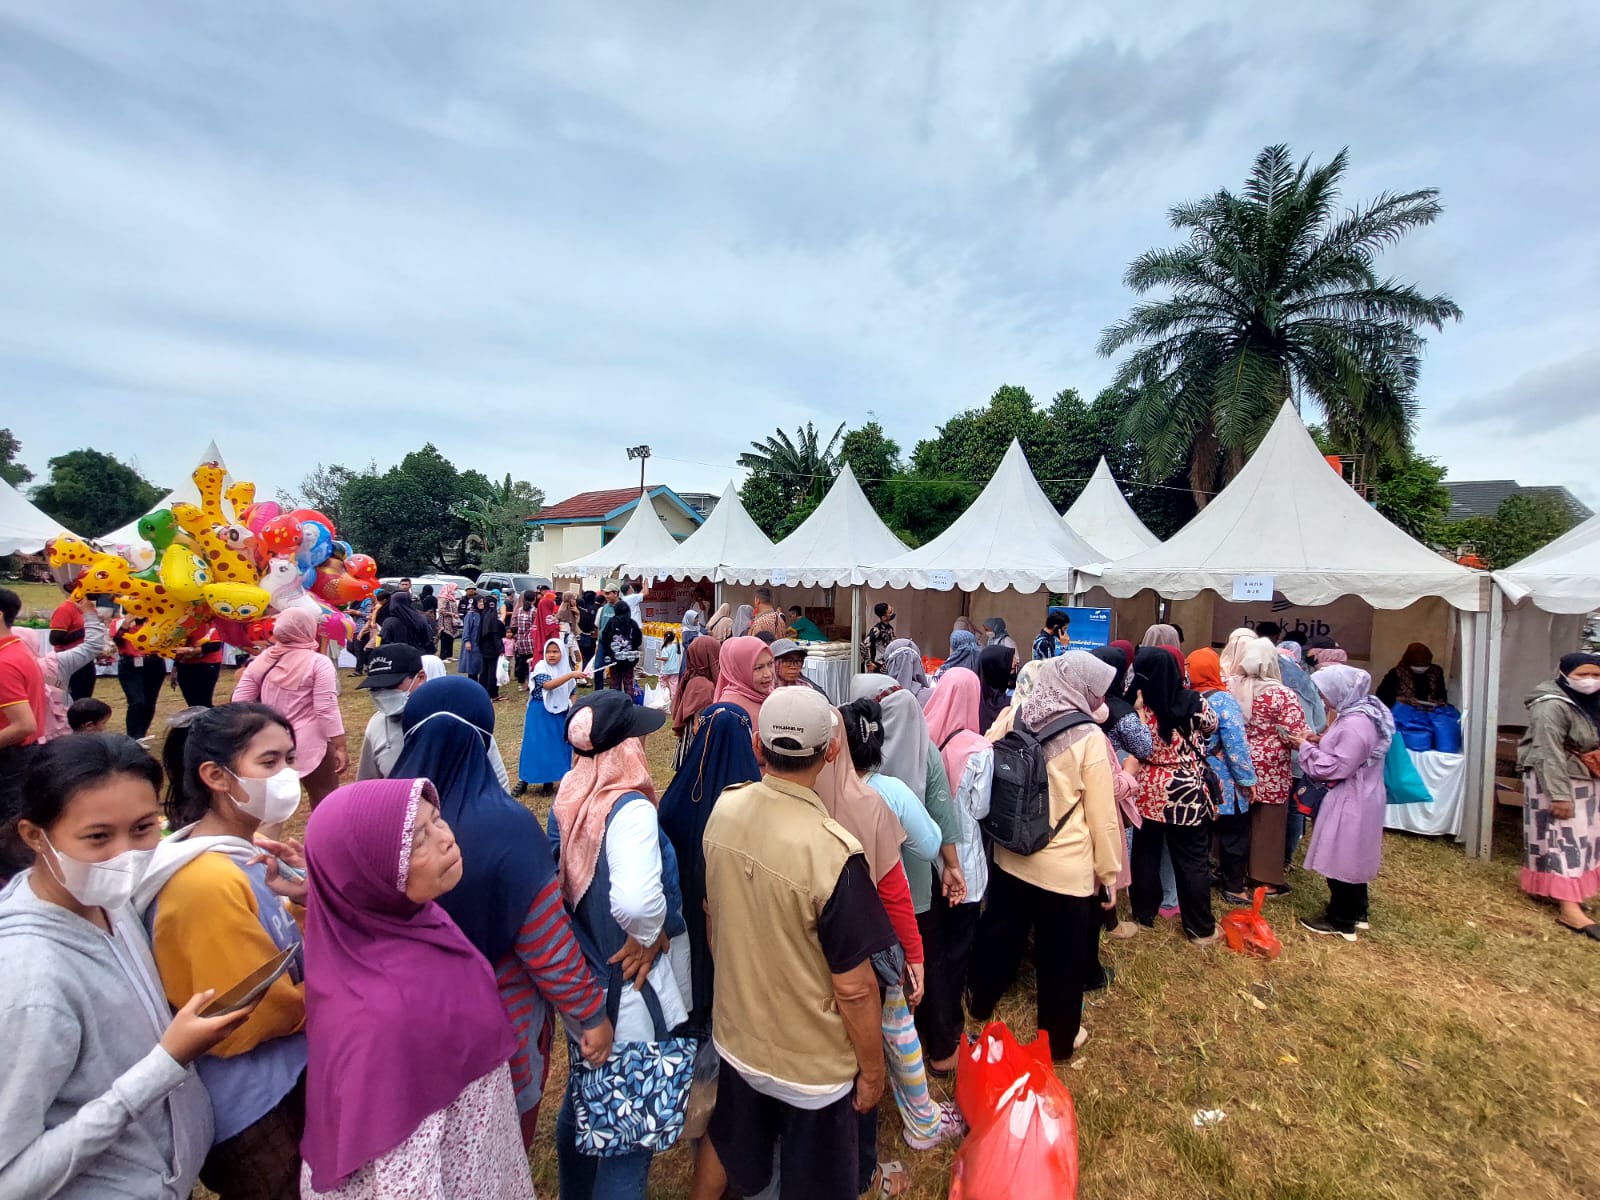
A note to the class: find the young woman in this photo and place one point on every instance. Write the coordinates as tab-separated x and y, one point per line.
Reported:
720	624
197	665
1056	893
997	670
293	678
623	891
472	653
212	901
1228	752
670	665
97	1095
926	1124
697	689
1415	680
1347	841
491	645
746	675
507	901
449	614
621	639
964	652
1559	758
1275	723
1172	798
902	662
408	1091
524	631
545	755
141	677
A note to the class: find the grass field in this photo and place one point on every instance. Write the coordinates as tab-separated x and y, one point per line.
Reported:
1453	1052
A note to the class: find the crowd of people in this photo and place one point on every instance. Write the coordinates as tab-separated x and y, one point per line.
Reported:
442	945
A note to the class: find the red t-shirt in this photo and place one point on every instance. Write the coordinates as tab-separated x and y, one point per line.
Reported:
21	682
68	619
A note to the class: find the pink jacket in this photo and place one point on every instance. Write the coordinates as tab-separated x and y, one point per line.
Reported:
313	711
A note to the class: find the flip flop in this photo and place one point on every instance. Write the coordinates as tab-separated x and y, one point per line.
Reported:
1591	930
889	1180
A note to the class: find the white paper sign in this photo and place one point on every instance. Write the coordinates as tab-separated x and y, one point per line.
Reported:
1249	588
778	577
941	581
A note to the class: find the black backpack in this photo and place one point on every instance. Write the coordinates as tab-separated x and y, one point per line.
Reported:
1019	804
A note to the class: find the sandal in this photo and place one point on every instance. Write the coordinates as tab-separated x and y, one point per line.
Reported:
890	1179
1591	930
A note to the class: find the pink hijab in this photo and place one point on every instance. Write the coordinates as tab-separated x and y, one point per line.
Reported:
952	716
736	684
293	655
587	795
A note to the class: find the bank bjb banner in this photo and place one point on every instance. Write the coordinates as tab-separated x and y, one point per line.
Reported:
1087	628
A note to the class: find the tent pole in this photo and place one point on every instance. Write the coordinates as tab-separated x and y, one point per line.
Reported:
855	626
1490	708
1472	661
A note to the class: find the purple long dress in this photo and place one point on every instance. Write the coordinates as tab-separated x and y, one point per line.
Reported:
1347	841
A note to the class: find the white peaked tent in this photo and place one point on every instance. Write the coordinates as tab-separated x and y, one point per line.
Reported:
643	538
1289	515
1010	536
1102	516
184	493
729	535
1563	577
834	547
23	528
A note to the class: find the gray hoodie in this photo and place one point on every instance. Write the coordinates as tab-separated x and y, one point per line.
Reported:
90	1104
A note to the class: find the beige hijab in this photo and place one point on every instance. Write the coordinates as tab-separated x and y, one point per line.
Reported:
851	801
1259	670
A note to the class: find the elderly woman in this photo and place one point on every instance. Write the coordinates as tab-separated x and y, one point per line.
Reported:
1347	842
1274	722
1559	757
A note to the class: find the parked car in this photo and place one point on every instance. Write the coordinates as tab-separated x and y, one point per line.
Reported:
508	583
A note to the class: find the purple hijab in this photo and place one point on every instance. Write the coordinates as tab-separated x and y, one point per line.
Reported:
402	1014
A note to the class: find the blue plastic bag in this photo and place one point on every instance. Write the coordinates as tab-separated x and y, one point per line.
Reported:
1446	720
1400	778
1414	726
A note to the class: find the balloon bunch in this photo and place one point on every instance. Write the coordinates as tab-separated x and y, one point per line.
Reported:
235	572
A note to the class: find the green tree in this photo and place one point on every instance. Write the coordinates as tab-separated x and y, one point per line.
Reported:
874	457
785	472
11	470
498	519
93	493
1409	491
323	490
1521	525
411	517
1274	295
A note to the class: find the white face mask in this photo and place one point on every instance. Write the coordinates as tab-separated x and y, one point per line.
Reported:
107	884
1587	686
391	702
1422	670
272	799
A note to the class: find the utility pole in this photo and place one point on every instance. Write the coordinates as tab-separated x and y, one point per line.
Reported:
641	453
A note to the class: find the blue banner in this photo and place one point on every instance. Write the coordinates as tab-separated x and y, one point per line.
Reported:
1087	628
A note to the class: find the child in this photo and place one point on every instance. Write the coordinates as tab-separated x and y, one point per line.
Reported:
670	661
88	715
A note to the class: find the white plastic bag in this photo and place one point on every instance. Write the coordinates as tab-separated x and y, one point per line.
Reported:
502	671
656	696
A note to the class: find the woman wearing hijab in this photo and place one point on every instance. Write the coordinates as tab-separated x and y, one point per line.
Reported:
507	901
998	635
1347	842
997	671
1559	758
619	875
545	756
1232	651
1055	893
1291	661
471	661
1161	635
720	626
1027	676
1415	680
492	635
956	728
294	677
964	651
1274	723
902	662
743	617
1131	748
1172	797
1228	752
746	674
696	690
448	614
720	755
403	623
408	1089
621	639
1323	651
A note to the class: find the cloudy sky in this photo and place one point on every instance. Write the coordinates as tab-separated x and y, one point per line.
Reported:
537	234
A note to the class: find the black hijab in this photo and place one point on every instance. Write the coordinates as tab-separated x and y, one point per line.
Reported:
1117	695
1589	704
1159	679
413	629
997	677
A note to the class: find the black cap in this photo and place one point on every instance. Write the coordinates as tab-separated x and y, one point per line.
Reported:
390	666
616	719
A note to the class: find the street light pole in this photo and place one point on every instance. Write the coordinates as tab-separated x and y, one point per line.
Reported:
641	453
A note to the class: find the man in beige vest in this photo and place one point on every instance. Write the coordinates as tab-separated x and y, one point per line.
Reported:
794	920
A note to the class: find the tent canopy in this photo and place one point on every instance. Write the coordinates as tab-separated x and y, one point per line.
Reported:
1563	577
643	538
23	528
728	536
184	493
1102	516
1010	536
834	547
1289	517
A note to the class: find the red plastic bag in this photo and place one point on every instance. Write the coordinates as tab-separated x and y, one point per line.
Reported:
1024	1129
1247	932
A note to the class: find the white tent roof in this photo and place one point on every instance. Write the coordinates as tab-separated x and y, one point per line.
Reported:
643	538
834	547
1010	536
23	528
1102	516
184	493
1563	577
728	536
1289	516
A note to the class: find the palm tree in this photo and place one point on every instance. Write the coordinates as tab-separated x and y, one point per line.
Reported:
802	466
1274	296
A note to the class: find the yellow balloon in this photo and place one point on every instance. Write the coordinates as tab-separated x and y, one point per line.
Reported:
184	573
236	601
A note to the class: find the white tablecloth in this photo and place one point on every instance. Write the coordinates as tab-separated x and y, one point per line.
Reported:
1446	777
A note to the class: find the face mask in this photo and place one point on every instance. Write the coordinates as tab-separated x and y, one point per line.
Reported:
1419	670
272	799
106	884
391	702
1585	687
481	732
